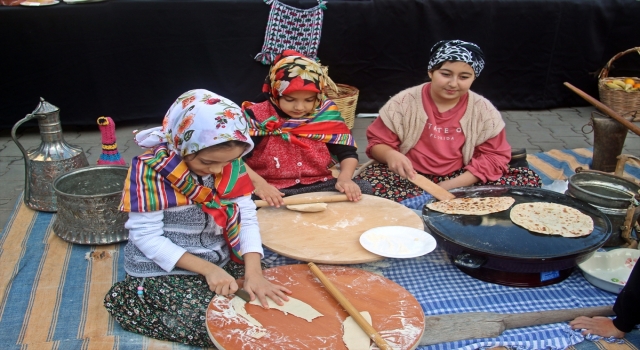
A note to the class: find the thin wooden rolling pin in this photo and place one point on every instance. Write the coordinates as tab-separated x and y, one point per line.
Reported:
307	200
604	108
432	188
353	312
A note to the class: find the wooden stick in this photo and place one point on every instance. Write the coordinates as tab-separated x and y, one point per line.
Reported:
604	108
307	200
353	312
432	188
363	166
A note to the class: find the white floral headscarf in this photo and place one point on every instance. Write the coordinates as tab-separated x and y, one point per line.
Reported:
196	120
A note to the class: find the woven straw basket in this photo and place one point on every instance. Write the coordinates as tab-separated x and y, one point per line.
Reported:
344	96
626	103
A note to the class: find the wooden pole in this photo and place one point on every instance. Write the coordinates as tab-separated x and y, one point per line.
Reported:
604	108
353	312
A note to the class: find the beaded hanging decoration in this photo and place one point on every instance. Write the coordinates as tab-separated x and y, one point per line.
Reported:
291	28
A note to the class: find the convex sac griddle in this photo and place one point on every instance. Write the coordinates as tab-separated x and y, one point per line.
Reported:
494	249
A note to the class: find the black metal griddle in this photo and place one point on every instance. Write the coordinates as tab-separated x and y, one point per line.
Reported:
494	249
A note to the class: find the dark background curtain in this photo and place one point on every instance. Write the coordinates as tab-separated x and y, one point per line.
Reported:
130	59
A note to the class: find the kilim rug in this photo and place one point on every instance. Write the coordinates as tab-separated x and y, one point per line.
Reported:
51	291
561	164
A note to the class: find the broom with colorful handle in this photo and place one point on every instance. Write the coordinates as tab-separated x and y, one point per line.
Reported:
110	154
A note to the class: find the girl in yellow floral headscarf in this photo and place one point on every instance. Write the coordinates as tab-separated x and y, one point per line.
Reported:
296	133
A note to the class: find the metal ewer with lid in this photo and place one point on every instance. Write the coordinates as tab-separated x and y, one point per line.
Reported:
52	158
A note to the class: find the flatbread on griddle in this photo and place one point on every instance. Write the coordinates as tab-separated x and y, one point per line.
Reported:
552	219
472	206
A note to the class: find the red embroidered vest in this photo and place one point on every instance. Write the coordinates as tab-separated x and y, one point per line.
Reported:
284	164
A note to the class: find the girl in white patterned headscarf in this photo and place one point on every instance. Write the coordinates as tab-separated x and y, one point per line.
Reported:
192	224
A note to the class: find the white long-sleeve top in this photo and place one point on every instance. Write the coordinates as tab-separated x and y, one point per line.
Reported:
158	239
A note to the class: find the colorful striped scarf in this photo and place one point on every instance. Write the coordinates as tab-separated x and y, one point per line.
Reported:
325	125
160	179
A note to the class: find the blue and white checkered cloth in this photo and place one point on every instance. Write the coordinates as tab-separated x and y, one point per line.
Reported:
417	202
441	288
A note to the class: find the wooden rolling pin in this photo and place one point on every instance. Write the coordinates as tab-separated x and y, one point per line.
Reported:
433	189
307	200
604	108
353	312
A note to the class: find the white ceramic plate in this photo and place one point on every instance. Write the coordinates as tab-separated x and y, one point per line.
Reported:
38	4
610	270
397	241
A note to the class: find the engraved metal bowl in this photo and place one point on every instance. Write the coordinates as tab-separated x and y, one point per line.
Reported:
88	200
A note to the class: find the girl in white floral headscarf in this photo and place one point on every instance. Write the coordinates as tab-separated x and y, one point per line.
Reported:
192	224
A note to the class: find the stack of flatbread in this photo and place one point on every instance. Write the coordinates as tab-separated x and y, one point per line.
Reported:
552	219
472	206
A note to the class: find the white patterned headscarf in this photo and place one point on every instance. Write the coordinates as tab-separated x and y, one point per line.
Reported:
457	50
198	119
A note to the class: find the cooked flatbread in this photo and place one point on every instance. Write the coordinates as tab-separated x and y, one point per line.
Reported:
472	206
552	219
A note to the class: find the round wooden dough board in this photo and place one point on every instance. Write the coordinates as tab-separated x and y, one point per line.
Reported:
331	236
395	313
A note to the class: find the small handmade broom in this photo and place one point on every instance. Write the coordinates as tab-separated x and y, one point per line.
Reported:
110	154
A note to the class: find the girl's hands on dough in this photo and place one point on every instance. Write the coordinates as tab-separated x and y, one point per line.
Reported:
270	194
259	287
401	165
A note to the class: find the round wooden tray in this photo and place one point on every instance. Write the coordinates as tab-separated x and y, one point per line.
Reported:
331	236
395	313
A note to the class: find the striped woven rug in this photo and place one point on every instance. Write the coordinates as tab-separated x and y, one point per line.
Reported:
51	291
561	164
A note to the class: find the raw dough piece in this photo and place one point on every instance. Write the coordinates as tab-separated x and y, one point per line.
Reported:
552	219
238	305
472	206
353	336
293	306
308	208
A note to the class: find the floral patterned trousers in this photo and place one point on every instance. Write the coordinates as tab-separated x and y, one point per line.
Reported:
389	185
171	307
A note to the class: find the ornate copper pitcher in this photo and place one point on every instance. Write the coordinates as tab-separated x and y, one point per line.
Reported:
46	162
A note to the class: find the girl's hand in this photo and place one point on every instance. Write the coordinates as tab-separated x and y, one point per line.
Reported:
220	281
270	194
401	165
348	187
259	287
598	325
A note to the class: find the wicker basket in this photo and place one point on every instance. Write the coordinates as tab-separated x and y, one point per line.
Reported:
626	103
346	98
